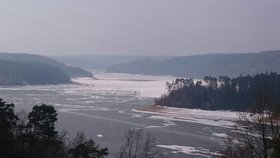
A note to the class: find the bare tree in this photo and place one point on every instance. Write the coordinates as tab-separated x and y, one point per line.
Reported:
82	147
250	138
257	133
78	139
138	144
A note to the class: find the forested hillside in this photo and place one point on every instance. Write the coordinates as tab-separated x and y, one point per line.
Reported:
223	93
30	73
69	70
197	66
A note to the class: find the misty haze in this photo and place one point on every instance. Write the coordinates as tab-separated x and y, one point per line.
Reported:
139	79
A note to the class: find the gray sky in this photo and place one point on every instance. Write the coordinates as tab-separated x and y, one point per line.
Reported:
139	27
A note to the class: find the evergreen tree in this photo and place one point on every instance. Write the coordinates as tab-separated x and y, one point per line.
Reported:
8	121
42	134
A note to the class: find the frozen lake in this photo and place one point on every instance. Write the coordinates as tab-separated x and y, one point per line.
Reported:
104	108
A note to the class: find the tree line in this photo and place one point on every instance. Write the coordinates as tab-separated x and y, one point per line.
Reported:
221	93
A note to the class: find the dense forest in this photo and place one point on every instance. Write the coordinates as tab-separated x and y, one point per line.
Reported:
198	66
222	93
30	73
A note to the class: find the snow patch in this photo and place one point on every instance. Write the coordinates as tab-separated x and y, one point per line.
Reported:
197	151
222	135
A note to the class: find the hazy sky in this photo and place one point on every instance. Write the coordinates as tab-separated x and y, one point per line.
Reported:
139	27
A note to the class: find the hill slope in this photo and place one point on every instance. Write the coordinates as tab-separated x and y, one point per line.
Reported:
30	73
95	61
202	65
69	70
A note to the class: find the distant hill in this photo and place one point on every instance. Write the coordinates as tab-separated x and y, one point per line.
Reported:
69	70
95	61
30	73
202	65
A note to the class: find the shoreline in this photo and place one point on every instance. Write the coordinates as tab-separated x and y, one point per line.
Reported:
213	118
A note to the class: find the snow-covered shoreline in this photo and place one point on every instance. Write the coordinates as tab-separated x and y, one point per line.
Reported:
213	118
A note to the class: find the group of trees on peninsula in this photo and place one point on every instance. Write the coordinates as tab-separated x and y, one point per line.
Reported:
221	93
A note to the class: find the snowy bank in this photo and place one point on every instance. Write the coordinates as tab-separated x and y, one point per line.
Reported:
213	118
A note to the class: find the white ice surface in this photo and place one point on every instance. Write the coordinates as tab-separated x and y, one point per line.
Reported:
146	86
108	83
